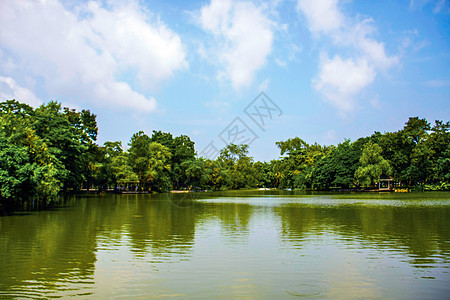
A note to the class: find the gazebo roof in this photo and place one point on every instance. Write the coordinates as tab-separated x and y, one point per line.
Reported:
385	177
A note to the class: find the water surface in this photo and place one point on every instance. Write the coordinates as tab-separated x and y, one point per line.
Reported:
266	245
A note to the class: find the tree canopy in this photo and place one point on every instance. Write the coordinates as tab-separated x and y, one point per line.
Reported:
51	150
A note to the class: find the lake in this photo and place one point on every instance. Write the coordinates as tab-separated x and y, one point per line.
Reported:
250	245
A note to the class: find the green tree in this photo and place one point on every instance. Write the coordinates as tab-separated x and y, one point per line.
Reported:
68	135
416	129
439	142
139	156
28	171
265	174
217	177
121	172
373	165
16	173
195	176
107	153
442	167
183	156
297	169
397	149
290	170
323	174
345	162
158	171
238	166
421	164
165	139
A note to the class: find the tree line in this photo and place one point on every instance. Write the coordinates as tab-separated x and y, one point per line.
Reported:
51	150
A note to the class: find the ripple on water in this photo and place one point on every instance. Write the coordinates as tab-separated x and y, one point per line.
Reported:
306	290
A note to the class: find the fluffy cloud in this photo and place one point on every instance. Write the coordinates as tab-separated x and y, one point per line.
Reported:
82	52
242	38
322	15
341	80
10	89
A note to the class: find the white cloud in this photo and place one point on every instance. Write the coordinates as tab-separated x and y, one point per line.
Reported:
152	49
242	39
10	89
323	16
342	80
374	51
357	35
215	16
83	52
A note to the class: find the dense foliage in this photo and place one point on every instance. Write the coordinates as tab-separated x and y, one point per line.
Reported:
51	150
43	151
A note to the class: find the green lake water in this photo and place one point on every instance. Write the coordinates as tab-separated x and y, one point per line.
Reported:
244	245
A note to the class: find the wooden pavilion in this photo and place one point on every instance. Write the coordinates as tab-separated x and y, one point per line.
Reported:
386	183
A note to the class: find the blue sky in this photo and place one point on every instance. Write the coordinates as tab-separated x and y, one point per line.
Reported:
331	69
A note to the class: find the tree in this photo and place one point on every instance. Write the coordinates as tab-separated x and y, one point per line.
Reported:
112	149
265	174
243	174
291	145
164	138
158	171
121	172
183	151
439	142
16	173
68	135
238	165
442	167
421	164
373	165
50	149
105	176
195	176
216	175
345	161
416	129
297	169
27	168
323	173
292	166
397	149
139	155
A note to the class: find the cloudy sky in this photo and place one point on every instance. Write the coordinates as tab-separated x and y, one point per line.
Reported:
330	69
